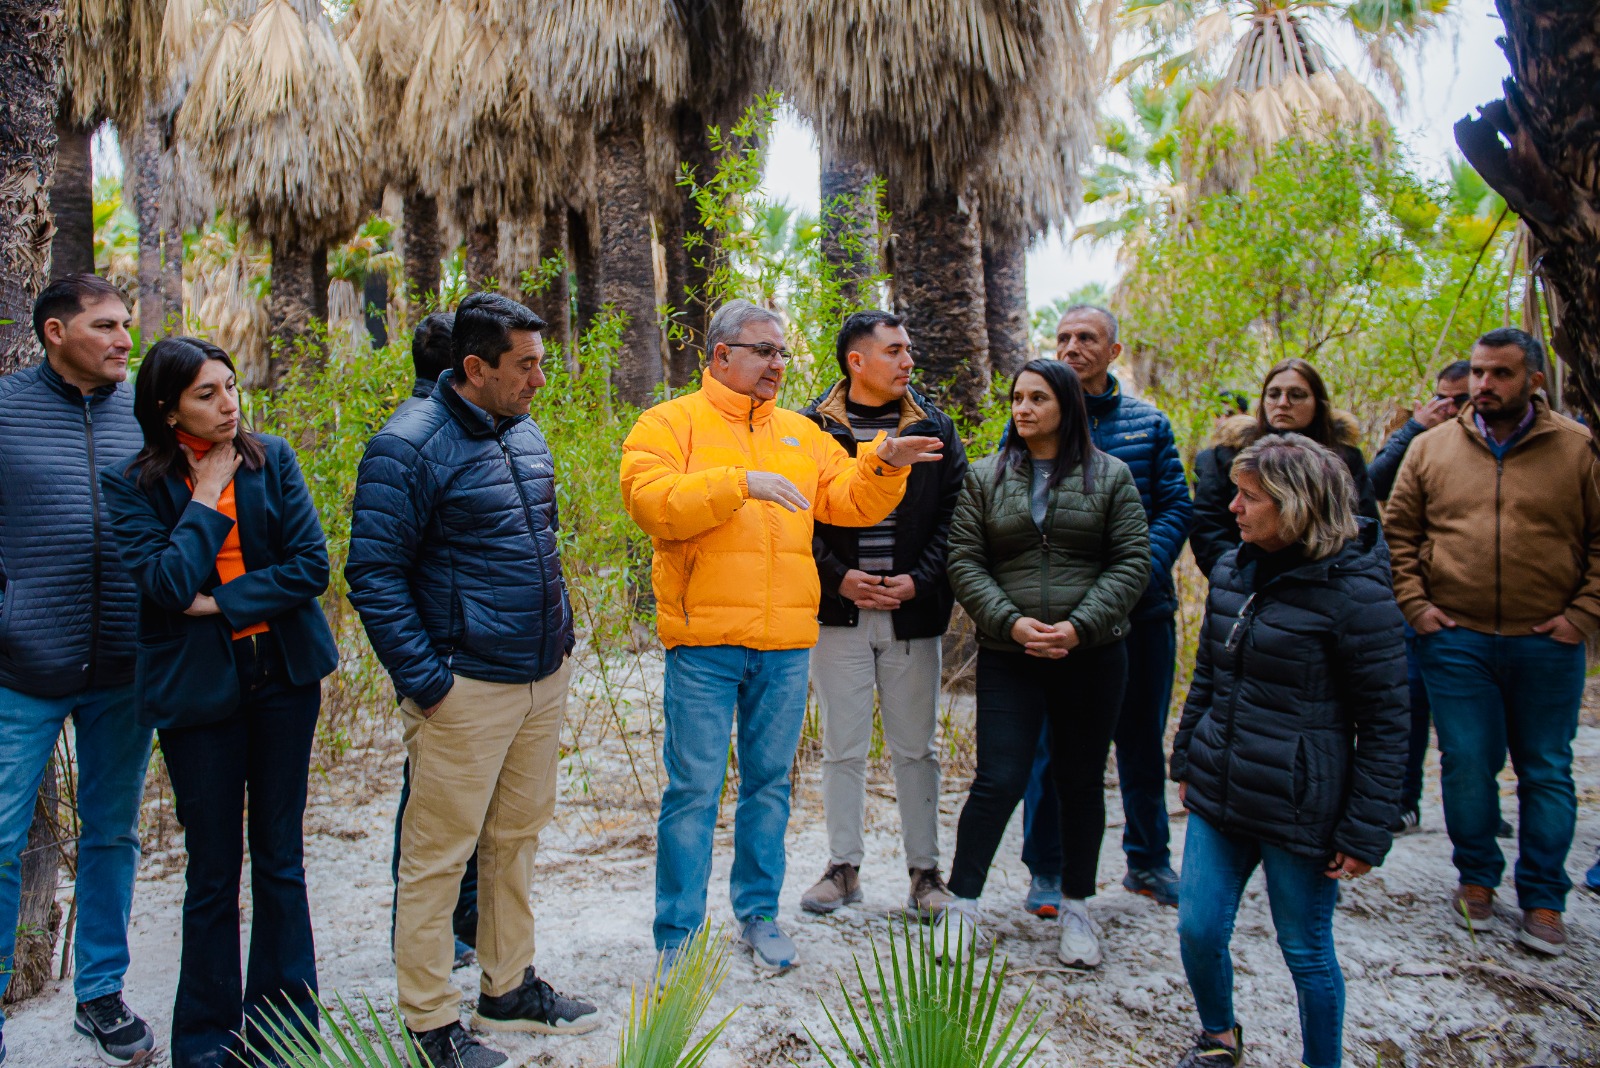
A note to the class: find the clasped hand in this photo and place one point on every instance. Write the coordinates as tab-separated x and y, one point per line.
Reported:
884	593
1049	641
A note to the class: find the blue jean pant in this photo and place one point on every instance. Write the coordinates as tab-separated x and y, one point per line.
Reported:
1490	695
1216	867
705	686
113	752
1152	646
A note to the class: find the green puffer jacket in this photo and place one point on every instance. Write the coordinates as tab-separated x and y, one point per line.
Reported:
1089	565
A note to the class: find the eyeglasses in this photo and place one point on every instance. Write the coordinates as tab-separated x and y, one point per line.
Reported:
1293	396
1236	634
1458	399
762	350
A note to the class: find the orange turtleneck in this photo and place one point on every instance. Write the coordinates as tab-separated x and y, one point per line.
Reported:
230	561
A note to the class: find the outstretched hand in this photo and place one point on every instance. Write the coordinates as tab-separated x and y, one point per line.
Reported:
771	486
917	449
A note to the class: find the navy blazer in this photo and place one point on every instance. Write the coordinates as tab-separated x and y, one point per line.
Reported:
184	670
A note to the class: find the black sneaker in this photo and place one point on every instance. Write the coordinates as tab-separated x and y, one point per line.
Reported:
1158	884
1505	830
119	1037
1409	822
534	1006
451	1046
1207	1052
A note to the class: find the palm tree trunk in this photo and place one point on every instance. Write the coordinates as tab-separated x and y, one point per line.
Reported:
423	248
72	198
553	303
1005	303
172	272
689	253
483	253
938	287
849	222
585	269
144	152
30	85
626	265
294	300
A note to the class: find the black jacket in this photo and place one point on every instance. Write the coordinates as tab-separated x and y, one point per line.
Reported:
67	607
169	544
421	390
1296	725
1215	531
454	561
922	521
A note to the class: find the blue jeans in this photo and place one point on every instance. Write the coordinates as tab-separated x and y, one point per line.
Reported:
704	687
113	752
1216	867
1491	694
1152	646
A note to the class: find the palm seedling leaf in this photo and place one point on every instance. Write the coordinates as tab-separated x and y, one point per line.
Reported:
297	1043
663	1017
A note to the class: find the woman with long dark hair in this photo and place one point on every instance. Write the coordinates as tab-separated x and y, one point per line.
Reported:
1049	552
1293	401
216	527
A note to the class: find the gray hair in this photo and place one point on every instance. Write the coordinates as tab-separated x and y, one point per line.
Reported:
1310	485
732	318
1104	313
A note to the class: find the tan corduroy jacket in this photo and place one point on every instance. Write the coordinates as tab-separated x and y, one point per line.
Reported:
1499	546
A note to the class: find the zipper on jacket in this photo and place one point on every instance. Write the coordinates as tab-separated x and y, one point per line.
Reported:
1499	472
527	516
1246	614
95	581
1044	544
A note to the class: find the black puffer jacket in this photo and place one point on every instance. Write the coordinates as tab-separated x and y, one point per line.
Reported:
68	610
454	561
1295	729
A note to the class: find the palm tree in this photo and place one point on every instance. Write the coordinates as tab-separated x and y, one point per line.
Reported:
277	117
1536	148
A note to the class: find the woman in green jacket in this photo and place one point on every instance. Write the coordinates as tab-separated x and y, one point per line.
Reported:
1049	551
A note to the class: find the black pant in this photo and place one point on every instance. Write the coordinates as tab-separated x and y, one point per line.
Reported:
264	749
464	921
1081	696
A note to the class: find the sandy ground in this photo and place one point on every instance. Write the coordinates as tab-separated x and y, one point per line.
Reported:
1420	991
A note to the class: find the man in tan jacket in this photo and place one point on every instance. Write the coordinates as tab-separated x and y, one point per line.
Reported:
1494	527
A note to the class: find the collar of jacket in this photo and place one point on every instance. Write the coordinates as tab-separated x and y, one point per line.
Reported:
1365	541
1544	422
473	419
831	406
1101	405
735	407
53	379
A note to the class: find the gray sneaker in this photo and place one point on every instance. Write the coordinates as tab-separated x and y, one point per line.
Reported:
839	886
772	949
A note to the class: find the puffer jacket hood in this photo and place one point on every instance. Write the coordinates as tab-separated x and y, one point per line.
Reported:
1296	725
68	608
1238	431
455	563
730	570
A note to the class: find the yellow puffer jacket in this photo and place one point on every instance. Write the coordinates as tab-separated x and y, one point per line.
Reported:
729	570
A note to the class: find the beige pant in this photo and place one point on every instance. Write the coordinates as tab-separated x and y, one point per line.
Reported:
483	774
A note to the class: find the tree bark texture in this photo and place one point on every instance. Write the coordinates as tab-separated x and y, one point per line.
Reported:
553	303
422	247
38	914
172	273
849	222
483	254
1537	148
1005	302
585	269
689	269
626	266
293	302
30	86
72	199
144	150
938	287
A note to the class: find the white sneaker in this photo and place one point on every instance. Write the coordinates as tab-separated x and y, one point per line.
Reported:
955	930
1080	942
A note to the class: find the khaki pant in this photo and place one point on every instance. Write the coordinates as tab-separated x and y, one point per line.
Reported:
483	775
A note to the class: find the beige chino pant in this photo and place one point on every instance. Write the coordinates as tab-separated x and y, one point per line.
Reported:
483	775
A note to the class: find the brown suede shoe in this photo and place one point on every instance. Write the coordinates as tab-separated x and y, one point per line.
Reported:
1473	907
839	886
1543	931
928	895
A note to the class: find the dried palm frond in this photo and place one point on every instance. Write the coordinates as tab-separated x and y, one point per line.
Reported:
603	56
225	284
278	119
110	48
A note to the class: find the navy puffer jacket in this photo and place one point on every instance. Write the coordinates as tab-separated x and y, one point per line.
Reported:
68	610
1140	435
454	564
1296	725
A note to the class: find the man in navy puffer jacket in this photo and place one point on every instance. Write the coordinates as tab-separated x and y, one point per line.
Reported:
1138	434
455	569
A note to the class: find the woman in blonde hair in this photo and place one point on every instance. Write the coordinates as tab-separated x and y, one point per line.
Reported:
1292	746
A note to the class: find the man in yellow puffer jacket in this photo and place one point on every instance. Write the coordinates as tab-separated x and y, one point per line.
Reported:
727	485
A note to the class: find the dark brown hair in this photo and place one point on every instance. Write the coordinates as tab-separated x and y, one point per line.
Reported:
1074	445
169	368
1321	428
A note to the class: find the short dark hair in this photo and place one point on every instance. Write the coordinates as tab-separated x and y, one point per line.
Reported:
66	297
1105	313
1457	369
169	368
1510	336
857	326
483	326
431	354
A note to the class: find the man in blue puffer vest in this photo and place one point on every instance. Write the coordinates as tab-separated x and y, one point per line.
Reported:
456	571
1138	434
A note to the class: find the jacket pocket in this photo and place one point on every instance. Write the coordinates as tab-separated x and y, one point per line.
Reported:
689	559
1302	774
187	679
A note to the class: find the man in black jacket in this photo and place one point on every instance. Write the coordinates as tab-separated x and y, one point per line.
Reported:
430	358
885	605
67	620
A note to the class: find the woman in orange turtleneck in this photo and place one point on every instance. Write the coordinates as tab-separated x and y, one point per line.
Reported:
216	527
